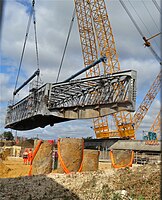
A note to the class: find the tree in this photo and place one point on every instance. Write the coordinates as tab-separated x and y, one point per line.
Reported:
7	135
88	138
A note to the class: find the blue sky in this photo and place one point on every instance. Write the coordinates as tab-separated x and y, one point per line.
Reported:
53	20
27	4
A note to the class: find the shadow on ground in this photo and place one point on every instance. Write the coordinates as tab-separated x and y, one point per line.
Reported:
32	188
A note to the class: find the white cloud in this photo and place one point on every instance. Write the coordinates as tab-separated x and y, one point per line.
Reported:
75	128
53	21
5	90
149	118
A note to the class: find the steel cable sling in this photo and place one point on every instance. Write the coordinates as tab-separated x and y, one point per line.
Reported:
67	40
36	41
32	13
140	32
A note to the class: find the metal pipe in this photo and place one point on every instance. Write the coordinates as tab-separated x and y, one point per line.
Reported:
102	59
36	73
154	36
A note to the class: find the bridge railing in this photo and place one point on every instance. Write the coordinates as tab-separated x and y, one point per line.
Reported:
117	87
78	99
27	107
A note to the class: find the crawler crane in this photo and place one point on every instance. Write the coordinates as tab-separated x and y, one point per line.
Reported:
73	98
95	31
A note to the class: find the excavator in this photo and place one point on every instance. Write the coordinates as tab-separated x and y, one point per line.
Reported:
97	39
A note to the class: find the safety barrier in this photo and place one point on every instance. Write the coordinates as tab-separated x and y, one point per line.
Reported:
119	165
152	142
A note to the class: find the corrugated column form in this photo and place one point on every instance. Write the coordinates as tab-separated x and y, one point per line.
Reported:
90	160
42	163
121	158
70	155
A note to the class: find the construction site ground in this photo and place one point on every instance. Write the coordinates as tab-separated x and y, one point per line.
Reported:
139	182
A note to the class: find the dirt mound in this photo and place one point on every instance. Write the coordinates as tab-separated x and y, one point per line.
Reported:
16	168
34	188
3	170
138	182
142	182
5	154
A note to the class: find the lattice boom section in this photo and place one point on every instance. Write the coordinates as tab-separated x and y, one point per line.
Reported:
78	99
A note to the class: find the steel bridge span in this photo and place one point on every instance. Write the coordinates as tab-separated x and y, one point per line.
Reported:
78	99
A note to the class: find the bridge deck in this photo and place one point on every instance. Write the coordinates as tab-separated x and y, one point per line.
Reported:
79	99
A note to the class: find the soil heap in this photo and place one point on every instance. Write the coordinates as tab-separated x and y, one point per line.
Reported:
139	182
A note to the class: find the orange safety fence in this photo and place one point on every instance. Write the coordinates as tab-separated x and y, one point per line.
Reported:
121	165
62	162
152	142
33	156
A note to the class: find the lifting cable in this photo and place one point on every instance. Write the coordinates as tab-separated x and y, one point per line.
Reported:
157	6
32	12
140	32
139	17
36	40
67	40
24	45
150	15
141	20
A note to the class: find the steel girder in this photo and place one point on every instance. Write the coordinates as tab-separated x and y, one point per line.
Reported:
78	99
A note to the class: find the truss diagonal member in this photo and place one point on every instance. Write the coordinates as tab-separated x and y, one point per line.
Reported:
58	102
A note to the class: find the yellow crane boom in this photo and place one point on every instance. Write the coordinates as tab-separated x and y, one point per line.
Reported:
147	101
87	36
156	124
94	25
128	126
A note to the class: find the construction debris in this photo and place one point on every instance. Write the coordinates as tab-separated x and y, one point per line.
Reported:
139	182
13	167
5	153
3	169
